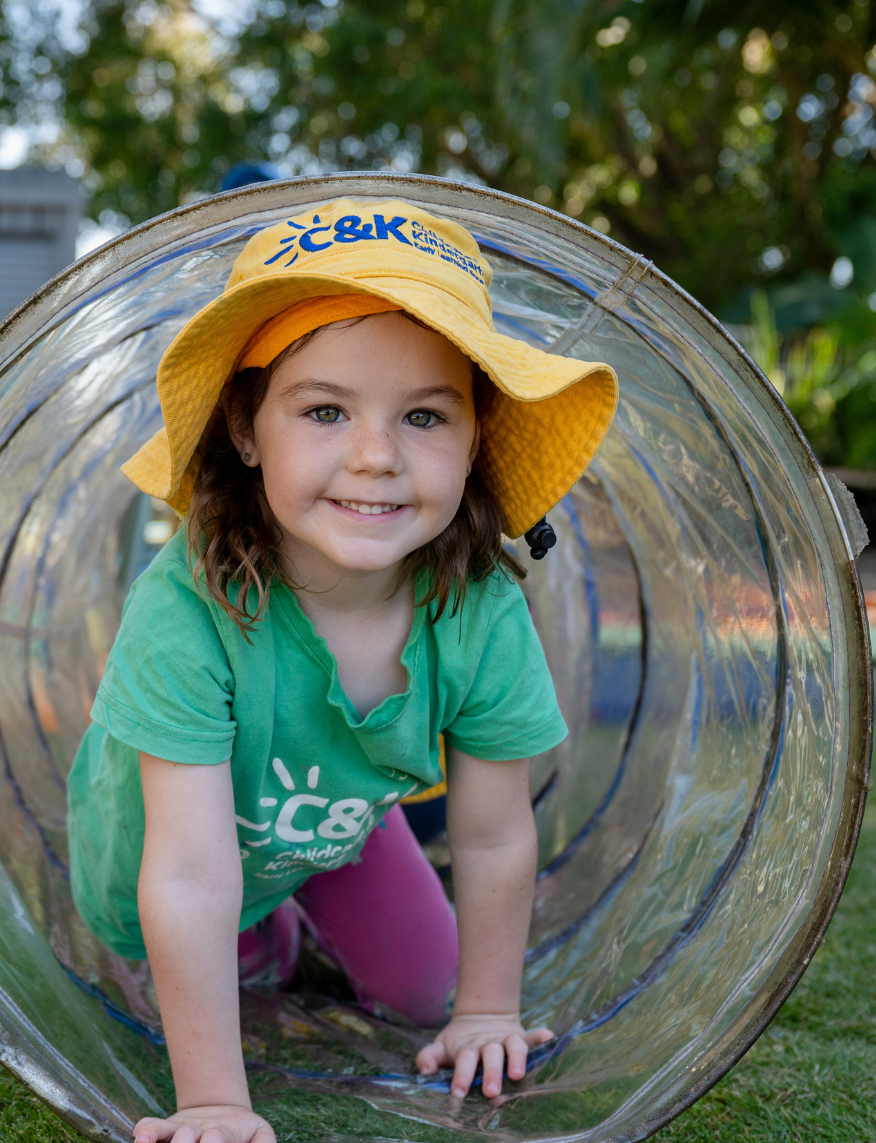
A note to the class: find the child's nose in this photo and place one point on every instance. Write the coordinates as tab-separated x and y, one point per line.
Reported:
374	449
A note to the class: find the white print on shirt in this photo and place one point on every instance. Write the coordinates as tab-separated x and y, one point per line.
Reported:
345	818
323	857
283	774
285	830
251	825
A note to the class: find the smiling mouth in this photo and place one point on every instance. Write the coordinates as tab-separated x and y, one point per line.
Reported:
367	509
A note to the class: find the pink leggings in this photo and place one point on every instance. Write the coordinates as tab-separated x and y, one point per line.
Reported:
384	920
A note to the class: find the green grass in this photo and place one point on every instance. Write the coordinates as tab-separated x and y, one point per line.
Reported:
23	1119
811	1076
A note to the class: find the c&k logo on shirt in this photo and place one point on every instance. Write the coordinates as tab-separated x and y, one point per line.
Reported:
343	822
352	228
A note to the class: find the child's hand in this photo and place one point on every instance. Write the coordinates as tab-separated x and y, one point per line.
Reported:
222	1123
468	1040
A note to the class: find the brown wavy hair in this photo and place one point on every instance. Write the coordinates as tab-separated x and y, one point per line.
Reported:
236	535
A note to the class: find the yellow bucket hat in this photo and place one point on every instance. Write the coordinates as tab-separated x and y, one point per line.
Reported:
550	412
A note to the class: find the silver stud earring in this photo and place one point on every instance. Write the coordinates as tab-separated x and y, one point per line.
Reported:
468	470
246	457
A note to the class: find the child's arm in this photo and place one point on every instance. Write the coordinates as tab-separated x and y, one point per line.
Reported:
189	896
493	851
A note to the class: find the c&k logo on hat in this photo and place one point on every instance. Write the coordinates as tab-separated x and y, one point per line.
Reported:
315	238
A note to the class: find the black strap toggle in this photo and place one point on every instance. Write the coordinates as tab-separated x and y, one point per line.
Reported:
541	538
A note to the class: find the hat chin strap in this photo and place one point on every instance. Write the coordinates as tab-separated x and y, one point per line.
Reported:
541	538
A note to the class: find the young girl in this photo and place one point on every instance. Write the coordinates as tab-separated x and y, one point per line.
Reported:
348	438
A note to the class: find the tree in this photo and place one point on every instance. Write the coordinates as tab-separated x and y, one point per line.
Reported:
725	141
732	143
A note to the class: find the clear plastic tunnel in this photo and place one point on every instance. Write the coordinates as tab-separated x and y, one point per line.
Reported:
702	619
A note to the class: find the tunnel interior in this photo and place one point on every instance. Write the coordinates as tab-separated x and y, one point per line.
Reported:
702	621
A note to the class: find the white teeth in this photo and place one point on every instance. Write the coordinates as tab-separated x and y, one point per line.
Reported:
367	509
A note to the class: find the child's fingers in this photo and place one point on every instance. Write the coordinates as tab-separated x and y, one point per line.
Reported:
153	1130
161	1130
224	1135
189	1134
516	1049
432	1057
493	1057
538	1036
264	1134
211	1135
172	1131
466	1066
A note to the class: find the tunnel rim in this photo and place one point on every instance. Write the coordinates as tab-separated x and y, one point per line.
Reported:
39	314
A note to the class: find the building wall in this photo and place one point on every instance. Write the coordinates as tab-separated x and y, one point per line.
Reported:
39	219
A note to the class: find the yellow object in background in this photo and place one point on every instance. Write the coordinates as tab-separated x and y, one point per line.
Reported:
434	791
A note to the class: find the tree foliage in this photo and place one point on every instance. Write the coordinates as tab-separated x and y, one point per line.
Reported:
724	140
732	143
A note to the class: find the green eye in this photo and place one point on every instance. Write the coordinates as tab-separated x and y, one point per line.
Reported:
327	415
421	419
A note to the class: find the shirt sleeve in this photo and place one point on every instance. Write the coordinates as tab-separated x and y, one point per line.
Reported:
511	708
168	686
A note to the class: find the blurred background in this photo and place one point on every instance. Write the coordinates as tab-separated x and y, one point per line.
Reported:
731	143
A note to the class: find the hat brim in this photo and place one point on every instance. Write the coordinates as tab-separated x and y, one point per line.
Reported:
548	419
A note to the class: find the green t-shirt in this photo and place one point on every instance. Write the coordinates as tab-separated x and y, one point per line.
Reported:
311	777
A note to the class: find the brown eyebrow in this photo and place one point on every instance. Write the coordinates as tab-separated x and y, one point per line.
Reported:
431	391
330	389
311	384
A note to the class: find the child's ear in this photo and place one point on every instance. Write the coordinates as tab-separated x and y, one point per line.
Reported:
243	441
475	444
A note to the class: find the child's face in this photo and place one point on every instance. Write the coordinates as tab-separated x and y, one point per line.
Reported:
364	439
